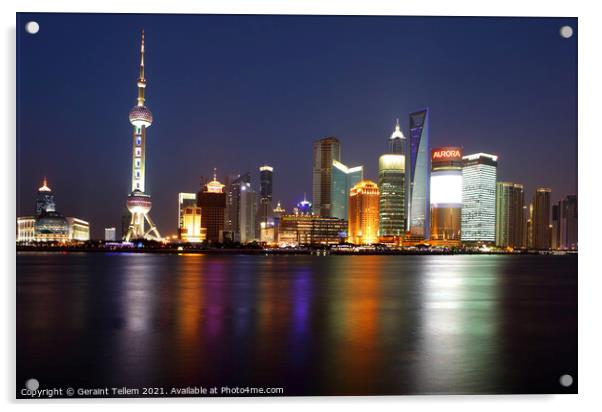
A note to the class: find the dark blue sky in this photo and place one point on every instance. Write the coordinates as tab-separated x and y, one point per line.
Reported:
233	92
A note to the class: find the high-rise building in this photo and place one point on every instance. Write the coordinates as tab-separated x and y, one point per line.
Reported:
324	152
479	176
110	234
45	199
540	224
418	176
343	178
247	200
139	202
567	233
555	227
189	218
397	141
212	201
264	212
509	216
391	185
363	213
233	194
446	195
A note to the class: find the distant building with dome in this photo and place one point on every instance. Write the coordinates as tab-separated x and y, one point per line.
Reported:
48	225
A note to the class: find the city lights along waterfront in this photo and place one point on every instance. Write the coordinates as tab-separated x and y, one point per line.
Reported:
424	265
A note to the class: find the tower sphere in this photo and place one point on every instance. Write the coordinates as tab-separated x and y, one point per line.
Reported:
139	202
141	116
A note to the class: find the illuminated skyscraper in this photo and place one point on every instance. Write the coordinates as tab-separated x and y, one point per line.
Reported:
418	175
363	213
139	202
540	224
446	194
479	175
509	215
234	185
391	184
189	218
212	201
264	212
246	217
343	178
324	152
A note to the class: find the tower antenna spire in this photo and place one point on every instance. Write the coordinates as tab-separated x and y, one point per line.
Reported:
141	79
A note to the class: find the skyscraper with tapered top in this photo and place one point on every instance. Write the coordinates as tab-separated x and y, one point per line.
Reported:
418	176
139	202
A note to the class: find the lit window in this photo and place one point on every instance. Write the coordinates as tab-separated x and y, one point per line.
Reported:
138	140
138	152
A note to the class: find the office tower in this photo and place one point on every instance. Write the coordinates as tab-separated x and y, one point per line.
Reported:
418	176
324	152
139	202
363	213
45	199
189	218
264	212
343	178
233	190
391	185
446	195
528	226
247	201
509	216
479	176
110	234
540	224
397	141
567	233
307	229
212	201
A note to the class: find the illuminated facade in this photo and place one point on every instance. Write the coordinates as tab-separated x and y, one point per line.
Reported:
509	215
139	202
48	225
266	178
246	217
307	229
343	178
324	152
391	184
234	184
212	201
446	195
363	213
189	219
479	176
418	175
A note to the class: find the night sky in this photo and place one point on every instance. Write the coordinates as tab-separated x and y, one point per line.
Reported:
234	92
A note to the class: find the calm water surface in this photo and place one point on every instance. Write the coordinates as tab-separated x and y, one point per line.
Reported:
331	325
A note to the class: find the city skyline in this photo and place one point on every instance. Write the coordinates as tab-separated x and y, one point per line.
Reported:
362	140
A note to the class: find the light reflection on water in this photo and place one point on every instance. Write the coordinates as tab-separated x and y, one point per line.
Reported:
313	325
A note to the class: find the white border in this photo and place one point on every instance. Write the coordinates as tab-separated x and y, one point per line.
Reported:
590	72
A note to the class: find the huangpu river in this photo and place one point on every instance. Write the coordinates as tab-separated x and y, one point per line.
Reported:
311	325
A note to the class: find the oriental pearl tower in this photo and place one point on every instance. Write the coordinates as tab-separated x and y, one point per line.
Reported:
138	202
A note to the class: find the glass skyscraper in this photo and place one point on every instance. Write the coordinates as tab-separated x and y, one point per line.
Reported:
418	175
391	184
343	178
479	175
324	152
510	225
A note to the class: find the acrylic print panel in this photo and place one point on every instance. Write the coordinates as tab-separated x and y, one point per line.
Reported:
228	205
